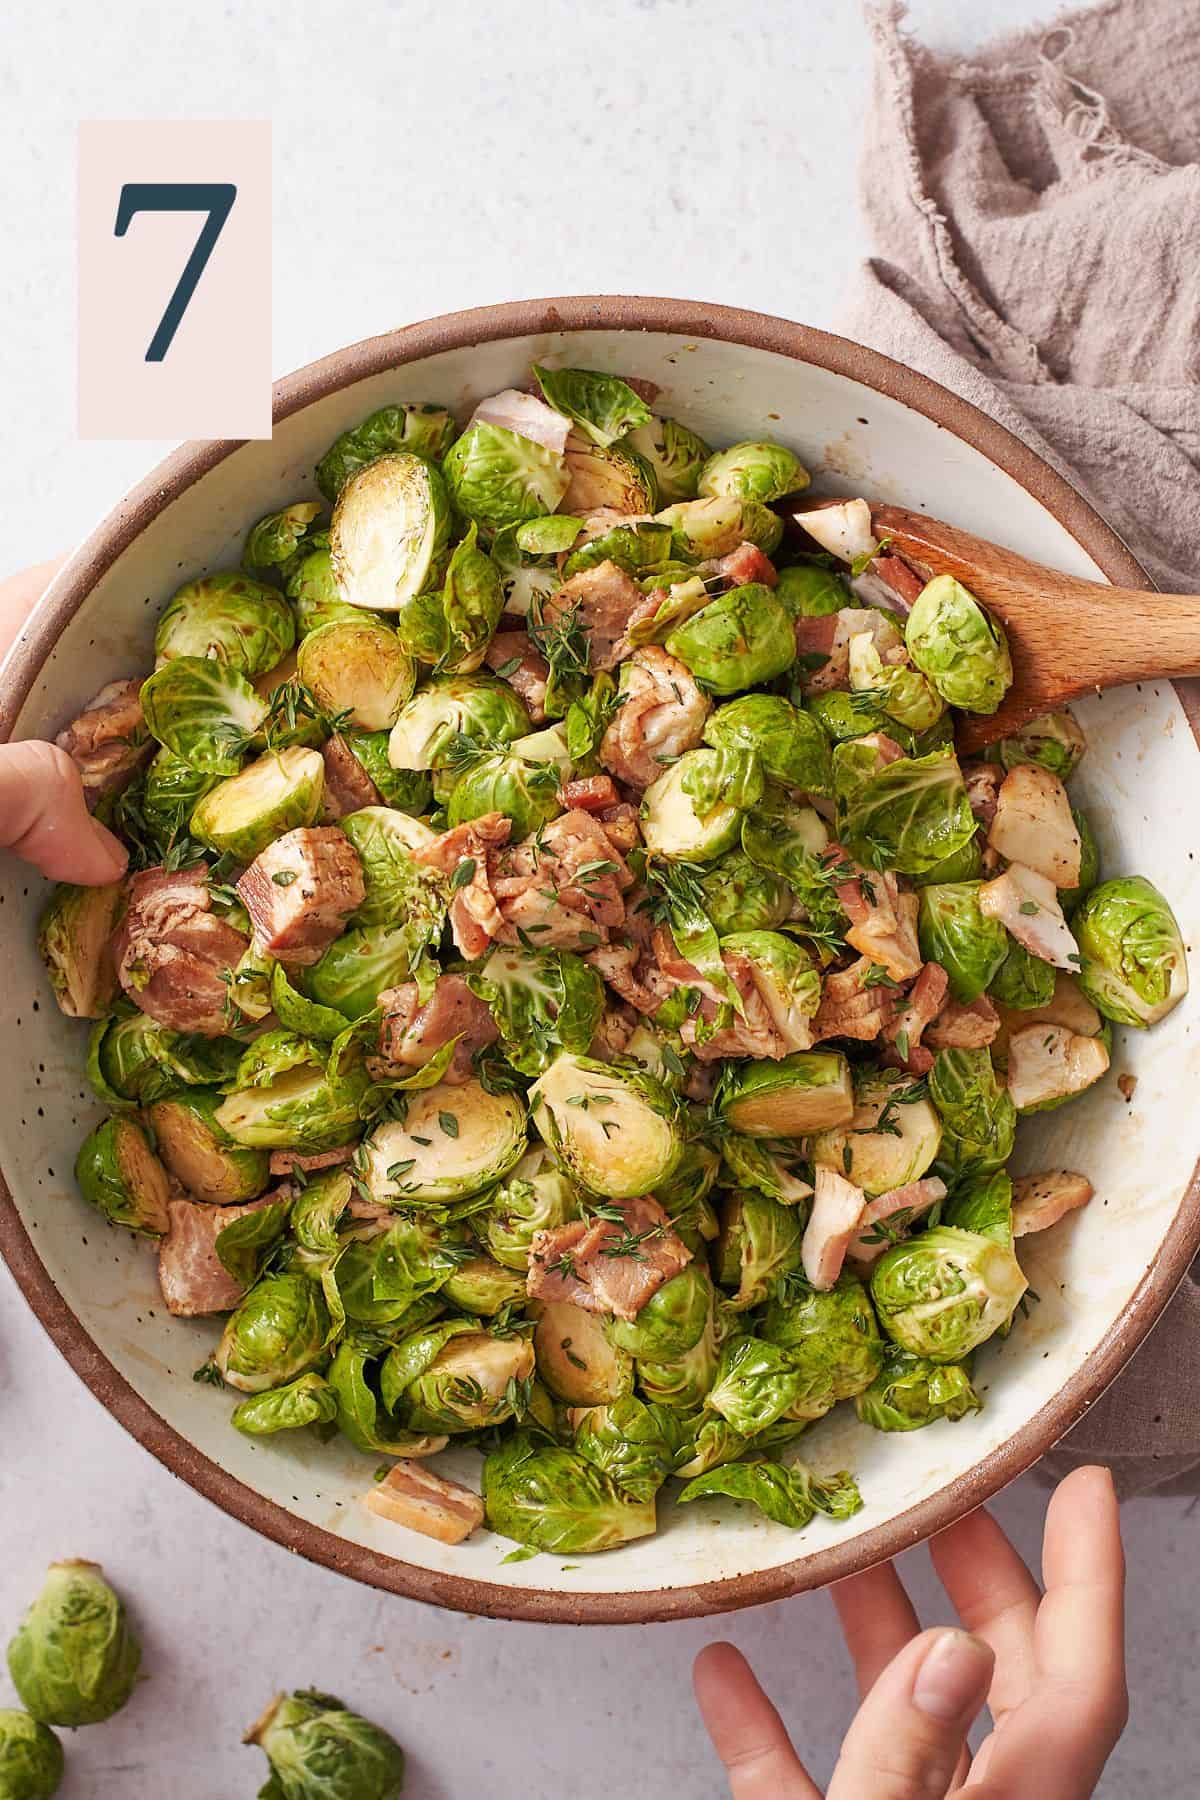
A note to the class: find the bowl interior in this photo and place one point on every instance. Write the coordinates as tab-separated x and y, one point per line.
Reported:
1138	783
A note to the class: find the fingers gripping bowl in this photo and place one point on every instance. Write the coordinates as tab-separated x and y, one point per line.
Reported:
858	422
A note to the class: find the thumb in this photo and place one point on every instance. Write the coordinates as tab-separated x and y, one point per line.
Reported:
44	818
907	1738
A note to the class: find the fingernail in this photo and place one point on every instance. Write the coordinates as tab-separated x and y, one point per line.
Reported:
112	846
954	1673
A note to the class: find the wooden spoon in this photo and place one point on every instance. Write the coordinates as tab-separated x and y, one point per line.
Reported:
1068	636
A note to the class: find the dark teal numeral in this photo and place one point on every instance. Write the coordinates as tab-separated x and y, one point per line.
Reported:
215	198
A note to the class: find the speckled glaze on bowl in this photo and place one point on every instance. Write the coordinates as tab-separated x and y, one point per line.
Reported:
1103	1276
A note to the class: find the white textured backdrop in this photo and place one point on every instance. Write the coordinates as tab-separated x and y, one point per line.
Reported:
429	157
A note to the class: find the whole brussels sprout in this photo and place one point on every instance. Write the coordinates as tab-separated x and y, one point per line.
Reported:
716	525
1055	741
831	1339
277	1332
390	536
478	708
741	896
172	791
393	1276
756	1384
499	478
200	1154
228	617
941	1293
740	640
316	598
954	933
134	1059
366	960
753	471
684	1382
423	427
358	671
1134	965
614	1130
119	1174
603	407
791	1496
811	592
472	600
965	864
75	1657
280	792
556	1500
308	1400
536	1197
525	792
892	1138
790	745
784	835
319	1750
1022	981
483	1287
203	710
983	1204
278	543
31	1758
73	934
1089	865
979	1120
910	1391
542	1002
675	454
958	644
759	1242
673	1320
909	815
631	1442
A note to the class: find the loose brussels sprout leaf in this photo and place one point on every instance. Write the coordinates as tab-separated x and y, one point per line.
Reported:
807	1092
1089	866
587	720
301	1109
202	1156
318	1208
552	535
831	1338
472	1382
604	407
498	478
904	694
789	744
361	1415
536	1197
278	543
710	1441
272	1054
685	596
753	471
715	526
909	816
484	1287
673	1320
983	1205
740	640
675	454
910	1392
1022	981
576	1358
453	1141
423	428
542	1002
245	1245
940	1294
171	792
315	595
784	978
1055	741
229	618
765	1170
277	1332
756	1384
978	1117
790	1496
296	1012
119	1174
961	865
615	1130
394	1277
811	592
397	888
478	708
759	1242
957	643
684	1383
134	1059
308	1400
783	836
554	1499
738	895
73	935
954	933
679	825
408	790
640	546
358	671
31	1758
472	601
204	711
280	792
363	962
525	792
634	1444
602	476
317	1748
390	536
74	1659
1134	966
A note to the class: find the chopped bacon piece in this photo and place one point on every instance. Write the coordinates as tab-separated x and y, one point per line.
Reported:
914	1198
348	787
173	955
761	1030
924	1002
606	1267
621	827
983	781
526	415
896	574
474	916
645	390
746	564
591	793
108	742
1034	825
565	886
300	891
1040	1201
661	715
836	1214
886	749
411	1033
1027	904
283	1162
193	1279
633	972
526	669
413	1495
602	599
883	921
964	1027
851	1008
617	1025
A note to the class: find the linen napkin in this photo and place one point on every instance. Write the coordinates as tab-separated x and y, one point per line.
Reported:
1036	216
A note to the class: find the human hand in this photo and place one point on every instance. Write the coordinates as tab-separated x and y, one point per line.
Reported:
43	814
1050	1667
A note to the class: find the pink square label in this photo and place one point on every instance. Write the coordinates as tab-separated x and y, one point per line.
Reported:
174	279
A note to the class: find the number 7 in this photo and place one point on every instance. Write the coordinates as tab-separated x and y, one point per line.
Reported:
215	198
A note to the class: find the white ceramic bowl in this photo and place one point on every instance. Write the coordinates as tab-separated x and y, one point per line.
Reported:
865	424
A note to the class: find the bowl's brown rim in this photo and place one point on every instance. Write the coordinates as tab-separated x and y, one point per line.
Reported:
686	319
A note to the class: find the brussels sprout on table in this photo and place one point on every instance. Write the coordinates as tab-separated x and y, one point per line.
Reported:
319	1750
75	1657
31	1758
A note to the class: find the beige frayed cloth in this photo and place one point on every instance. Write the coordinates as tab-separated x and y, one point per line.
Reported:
1035	212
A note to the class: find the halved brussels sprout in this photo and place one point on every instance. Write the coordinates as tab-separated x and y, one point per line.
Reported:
499	478
171	793
785	979
759	1242
280	792
831	1339
741	896
673	1320
132	1058
904	693
911	1391
740	640
367	959
390	536
277	1332
472	600
810	1091
615	1130
908	815
641	545
612	475
480	708
716	525
978	1117
301	1108
1134	965
536	1197
554	1499
603	407
790	745
675	454
423	428
119	1174
470	1382
452	1142
525	792
683	1383
811	592
201	1154
484	1287
393	1276
891	1139
954	933
576	1357
542	1002
941	1293
75	1657
694	810
73	938
1055	741
358	671
397	888
957	643
315	595
308	1400
228	617
279	542
752	470
31	1758
204	711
